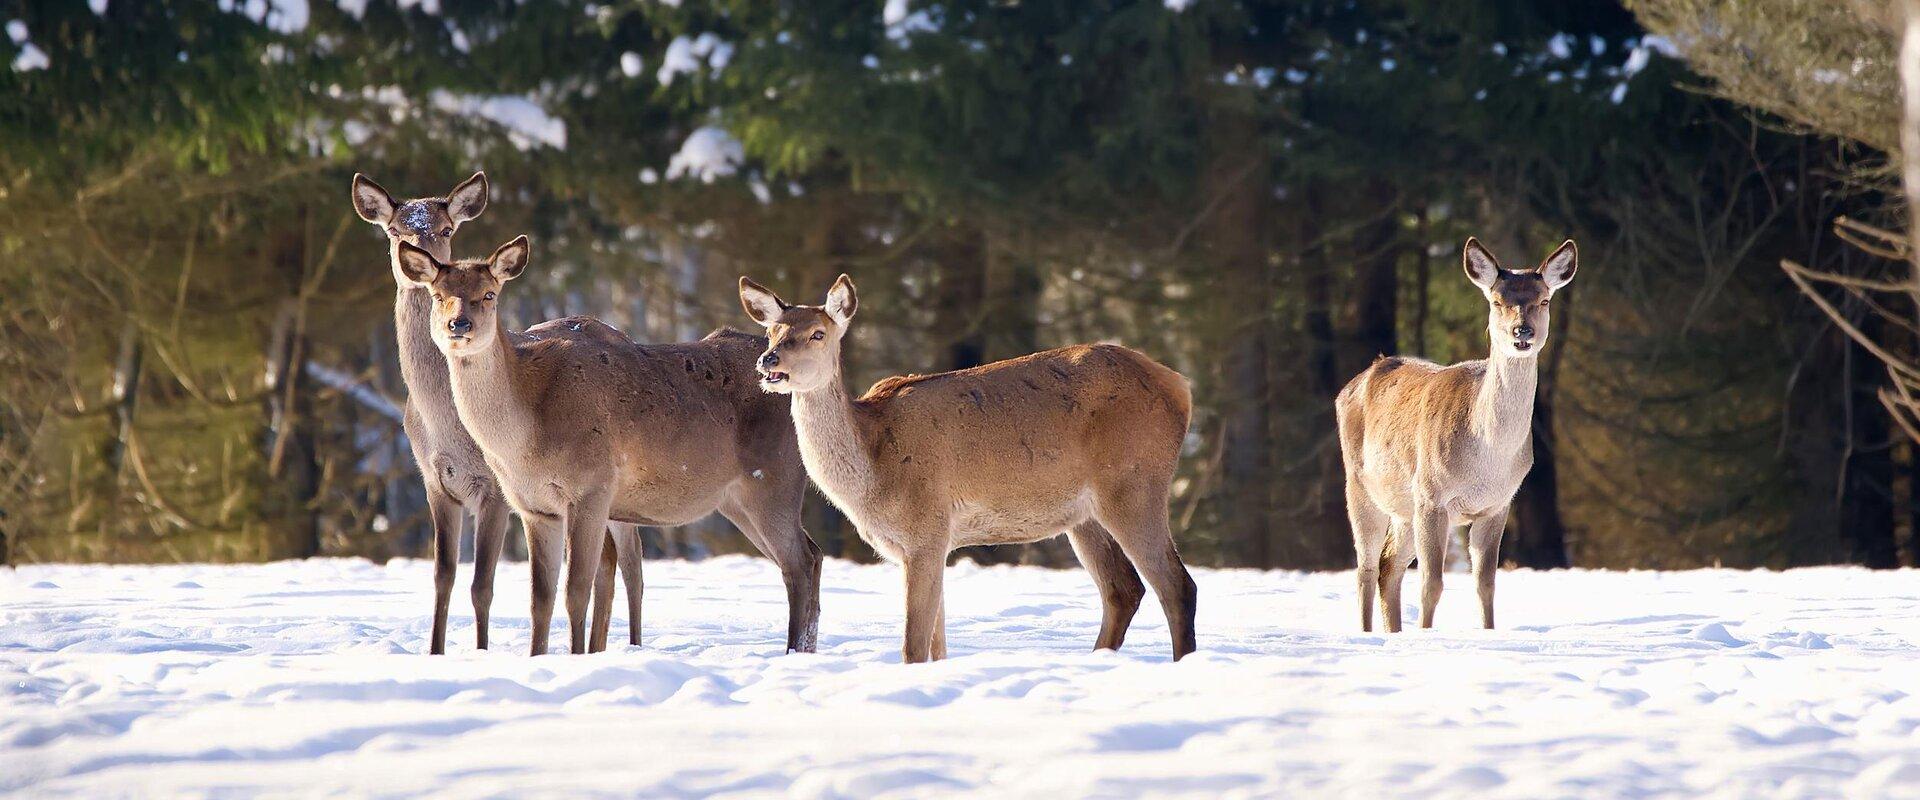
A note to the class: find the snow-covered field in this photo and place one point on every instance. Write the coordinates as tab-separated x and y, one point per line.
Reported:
307	679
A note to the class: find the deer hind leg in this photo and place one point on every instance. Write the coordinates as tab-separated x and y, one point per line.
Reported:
1369	544
446	515
1393	571
1430	530
1483	547
1137	518
767	510
489	537
603	594
627	538
1119	583
546	548
586	537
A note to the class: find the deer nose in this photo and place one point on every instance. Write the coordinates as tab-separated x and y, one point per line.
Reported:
459	326
1523	332
769	359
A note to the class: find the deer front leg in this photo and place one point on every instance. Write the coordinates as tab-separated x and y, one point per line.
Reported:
446	514
1430	540
489	537
586	536
925	571
546	548
1483	548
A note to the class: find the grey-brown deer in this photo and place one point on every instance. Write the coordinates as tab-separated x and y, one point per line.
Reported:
1428	447
1081	439
458	483
579	431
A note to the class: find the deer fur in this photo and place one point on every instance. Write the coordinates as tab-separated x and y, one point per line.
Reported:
457	480
1428	447
1082	439
581	430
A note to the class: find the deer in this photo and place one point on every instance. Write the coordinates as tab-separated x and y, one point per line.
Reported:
1082	439
580	430
458	483
1428	448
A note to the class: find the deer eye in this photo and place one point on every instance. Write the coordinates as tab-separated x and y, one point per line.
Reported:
818	335
446	233
488	296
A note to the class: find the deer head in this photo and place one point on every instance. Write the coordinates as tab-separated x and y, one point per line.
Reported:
465	294
427	223
1517	299
803	342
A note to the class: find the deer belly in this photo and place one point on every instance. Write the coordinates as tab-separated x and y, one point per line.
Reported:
1032	519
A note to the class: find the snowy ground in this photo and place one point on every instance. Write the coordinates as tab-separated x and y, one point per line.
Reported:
306	678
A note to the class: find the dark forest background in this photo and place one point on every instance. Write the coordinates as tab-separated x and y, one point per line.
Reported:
196	339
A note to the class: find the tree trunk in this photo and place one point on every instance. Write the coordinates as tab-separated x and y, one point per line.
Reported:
960	299
1236	247
125	397
1536	536
1377	285
1866	506
289	442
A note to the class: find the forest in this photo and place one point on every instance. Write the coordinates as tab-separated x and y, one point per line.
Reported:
196	332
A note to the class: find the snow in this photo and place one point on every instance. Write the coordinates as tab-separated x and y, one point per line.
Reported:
306	678
685	56
631	64
708	153
526	123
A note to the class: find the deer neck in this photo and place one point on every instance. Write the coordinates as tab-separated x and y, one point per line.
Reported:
485	390
422	365
831	445
1503	410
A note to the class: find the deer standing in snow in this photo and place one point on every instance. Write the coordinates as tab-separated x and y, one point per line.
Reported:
581	430
457	480
1081	439
1428	447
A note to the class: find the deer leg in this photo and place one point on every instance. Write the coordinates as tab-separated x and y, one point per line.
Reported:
767	510
586	537
627	539
1120	588
1393	570
1369	543
925	570
1430	531
1137	519
940	631
445	513
489	538
546	548
603	595
1483	547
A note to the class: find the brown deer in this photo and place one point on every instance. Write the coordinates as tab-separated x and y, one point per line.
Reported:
1082	439
581	430
457	480
1429	447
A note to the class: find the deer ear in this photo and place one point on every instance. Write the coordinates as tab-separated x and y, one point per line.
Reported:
842	301
417	264
371	202
1482	268
761	304
510	260
1559	267
467	200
